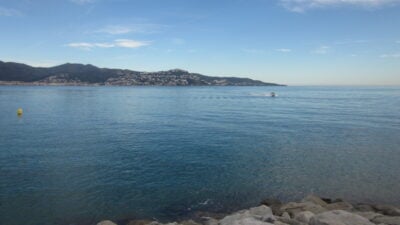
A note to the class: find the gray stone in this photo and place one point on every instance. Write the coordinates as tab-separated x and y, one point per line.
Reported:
277	222
339	217
387	210
389	220
210	221
304	216
249	221
339	206
274	204
106	222
293	208
286	215
363	207
314	199
260	213
369	215
290	221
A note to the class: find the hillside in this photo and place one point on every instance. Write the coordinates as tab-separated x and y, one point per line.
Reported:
79	74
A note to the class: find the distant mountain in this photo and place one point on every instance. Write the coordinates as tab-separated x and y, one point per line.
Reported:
79	74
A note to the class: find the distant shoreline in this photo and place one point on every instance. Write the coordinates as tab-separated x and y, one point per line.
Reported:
69	74
80	84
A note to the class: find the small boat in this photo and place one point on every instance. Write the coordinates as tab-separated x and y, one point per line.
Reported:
273	94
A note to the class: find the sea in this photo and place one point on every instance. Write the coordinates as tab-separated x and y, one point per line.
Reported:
79	155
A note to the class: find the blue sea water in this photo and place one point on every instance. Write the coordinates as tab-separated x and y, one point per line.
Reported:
82	154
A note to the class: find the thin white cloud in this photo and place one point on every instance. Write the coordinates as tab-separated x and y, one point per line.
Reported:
9	12
322	50
398	42
81	2
304	5
253	51
126	43
143	28
284	50
122	43
394	55
115	30
178	41
82	45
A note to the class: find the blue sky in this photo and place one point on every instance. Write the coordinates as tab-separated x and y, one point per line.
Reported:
296	42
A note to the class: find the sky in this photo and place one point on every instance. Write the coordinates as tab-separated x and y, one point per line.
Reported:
295	42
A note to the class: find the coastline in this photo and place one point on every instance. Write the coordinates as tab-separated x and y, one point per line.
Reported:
83	84
311	210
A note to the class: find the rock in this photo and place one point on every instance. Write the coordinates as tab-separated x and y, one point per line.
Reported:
314	199
293	208
249	221
329	200
387	210
203	214
279	223
106	222
389	220
290	221
274	204
263	213
286	215
260	213
210	221
304	216
369	215
339	206
339	217
362	207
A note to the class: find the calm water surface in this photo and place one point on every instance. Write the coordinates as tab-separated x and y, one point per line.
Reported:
82	154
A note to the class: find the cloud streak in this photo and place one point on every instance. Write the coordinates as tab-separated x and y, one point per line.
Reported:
284	50
301	6
9	12
121	43
322	50
145	28
394	55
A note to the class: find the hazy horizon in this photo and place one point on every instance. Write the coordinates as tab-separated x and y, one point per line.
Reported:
309	42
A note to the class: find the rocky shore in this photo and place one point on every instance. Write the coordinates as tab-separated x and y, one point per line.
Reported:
312	210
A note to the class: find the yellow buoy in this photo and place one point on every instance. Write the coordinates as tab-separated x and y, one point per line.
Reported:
19	112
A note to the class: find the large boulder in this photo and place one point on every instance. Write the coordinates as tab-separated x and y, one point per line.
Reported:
369	215
274	204
106	222
304	216
290	221
389	220
248	221
279	223
387	210
362	207
261	214
293	208
314	199
339	217
339	206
